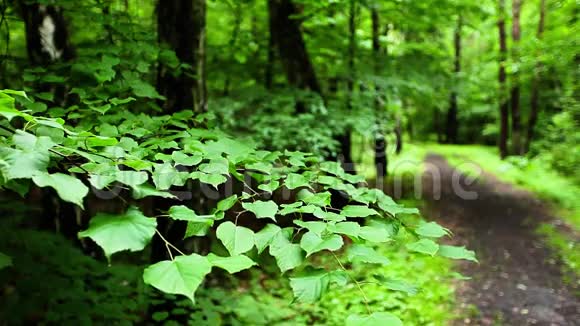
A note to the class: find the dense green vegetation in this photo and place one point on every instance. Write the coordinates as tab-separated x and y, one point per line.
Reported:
192	161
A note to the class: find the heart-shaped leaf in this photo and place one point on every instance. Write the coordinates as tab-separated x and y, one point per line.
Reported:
183	275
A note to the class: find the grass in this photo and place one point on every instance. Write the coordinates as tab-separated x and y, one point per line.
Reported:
567	250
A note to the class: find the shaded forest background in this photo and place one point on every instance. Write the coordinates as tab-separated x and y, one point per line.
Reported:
350	81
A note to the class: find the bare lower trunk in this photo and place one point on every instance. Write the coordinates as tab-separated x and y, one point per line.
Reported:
535	92
452	124
381	159
286	36
47	38
181	27
515	91
503	106
345	138
399	136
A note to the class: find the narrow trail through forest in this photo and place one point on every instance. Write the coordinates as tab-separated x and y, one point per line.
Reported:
518	281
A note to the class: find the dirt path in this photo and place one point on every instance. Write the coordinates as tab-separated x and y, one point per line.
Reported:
517	281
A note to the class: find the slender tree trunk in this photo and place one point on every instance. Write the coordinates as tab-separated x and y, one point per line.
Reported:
345	139
515	91
535	96
398	135
238	17
269	71
503	106
286	35
452	124
381	159
181	27
437	126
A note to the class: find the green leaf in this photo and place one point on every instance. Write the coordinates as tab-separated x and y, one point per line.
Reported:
376	319
431	230
454	252
227	203
310	287
18	164
130	231
360	253
118	101
329	216
358	211
270	187
232	264
260	167
294	181
13	92
67	187
389	206
313	243
185	160
424	246
213	179
265	236
198	229
396	285
132	178
165	176
143	89
5	261
374	234
353	178
215	166
236	239
319	199
262	209
183	275
142	191
351	229
183	213
290	208
313	226
332	168
288	255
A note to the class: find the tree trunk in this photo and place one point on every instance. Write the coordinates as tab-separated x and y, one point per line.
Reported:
269	71
398	135
47	42
381	159
535	96
452	124
286	35
47	38
503	106
181	27
238	17
515	91
345	138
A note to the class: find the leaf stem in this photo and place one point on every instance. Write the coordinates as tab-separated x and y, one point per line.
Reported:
168	244
365	299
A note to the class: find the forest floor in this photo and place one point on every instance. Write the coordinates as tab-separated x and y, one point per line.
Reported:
518	280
